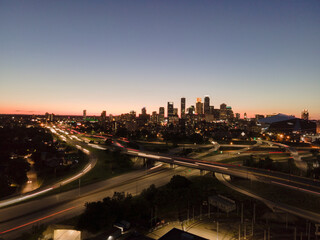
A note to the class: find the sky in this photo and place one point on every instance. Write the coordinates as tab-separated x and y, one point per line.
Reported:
259	57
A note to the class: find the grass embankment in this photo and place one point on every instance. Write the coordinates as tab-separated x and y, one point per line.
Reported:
108	165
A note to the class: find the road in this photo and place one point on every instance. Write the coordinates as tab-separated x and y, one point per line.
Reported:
42	190
65	205
271	177
312	216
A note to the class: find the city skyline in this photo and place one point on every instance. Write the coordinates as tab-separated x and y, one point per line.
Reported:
63	57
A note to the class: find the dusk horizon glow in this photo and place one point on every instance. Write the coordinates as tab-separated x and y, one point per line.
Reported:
63	57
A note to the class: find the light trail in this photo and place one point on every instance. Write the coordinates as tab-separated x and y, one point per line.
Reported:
185	163
39	219
214	166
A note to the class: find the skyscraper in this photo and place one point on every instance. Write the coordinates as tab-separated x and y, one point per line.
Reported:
170	109
161	114
144	111
103	117
206	104
183	107
305	114
199	106
84	115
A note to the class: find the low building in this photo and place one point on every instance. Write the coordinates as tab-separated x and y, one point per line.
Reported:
177	234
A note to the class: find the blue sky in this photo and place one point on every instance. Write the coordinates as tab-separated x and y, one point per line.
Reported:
65	56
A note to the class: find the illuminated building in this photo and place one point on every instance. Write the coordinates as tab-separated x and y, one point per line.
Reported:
154	117
170	109
305	114
103	117
183	107
161	114
199	107
143	111
259	116
206	105
84	115
191	110
223	112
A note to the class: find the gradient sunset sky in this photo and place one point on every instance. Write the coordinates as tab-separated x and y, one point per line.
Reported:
65	56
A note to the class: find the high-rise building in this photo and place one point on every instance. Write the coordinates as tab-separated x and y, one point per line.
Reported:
183	107
237	116
175	111
223	106
84	115
191	110
154	117
103	117
170	109
207	105
199	107
144	111
305	114
245	115
161	114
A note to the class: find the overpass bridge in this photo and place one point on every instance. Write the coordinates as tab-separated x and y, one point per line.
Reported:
267	176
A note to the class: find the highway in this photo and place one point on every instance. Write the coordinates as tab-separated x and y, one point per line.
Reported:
312	216
29	195
14	220
271	177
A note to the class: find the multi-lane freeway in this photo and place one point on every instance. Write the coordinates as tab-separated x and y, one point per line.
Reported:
16	219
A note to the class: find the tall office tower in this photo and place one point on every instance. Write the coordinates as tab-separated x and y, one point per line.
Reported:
175	111
133	115
223	106
305	114
237	116
211	109
161	114
245	115
103	117
191	110
170	109
84	115
206	104
154	117
161	111
183	107
144	111
199	106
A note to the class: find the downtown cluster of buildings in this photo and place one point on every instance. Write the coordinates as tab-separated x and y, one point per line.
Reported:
201	111
200	118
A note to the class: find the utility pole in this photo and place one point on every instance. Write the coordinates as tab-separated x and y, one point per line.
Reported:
217	230
295	234
188	212
252	227
254	213
241	213
245	231
309	230
79	186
